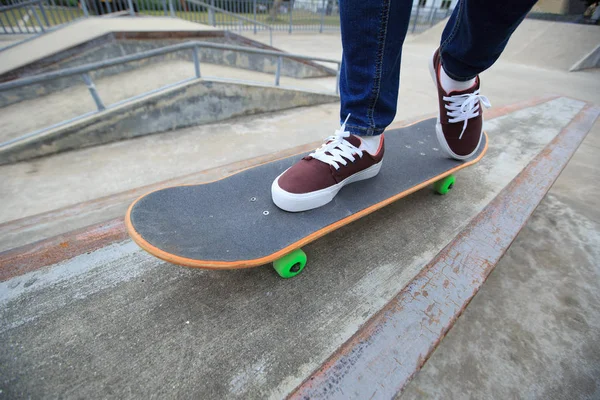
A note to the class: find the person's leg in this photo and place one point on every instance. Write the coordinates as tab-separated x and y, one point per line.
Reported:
372	35
477	33
373	32
472	41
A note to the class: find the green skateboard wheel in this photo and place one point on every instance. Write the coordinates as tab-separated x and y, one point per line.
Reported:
290	265
444	185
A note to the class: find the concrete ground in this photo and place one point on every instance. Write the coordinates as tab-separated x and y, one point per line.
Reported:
532	330
119	323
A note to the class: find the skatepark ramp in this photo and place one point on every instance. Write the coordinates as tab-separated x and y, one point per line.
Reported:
198	98
544	44
374	302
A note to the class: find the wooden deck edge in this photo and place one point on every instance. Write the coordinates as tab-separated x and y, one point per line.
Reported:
30	257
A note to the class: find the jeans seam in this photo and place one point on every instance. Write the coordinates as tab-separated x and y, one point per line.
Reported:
368	131
378	66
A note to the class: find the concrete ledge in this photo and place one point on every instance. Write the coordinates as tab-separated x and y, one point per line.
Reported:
104	318
382	357
30	257
59	248
192	103
37	255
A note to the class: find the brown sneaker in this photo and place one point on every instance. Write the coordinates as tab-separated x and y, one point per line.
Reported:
460	123
316	179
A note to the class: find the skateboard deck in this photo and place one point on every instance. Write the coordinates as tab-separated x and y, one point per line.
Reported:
233	223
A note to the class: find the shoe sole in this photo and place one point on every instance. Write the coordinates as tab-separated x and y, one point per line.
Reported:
297	202
438	126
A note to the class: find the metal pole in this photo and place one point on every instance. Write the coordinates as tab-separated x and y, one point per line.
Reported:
165	7
92	88
171	9
3	27
59	17
416	19
196	62
291	6
211	14
51	14
37	19
86	12
131	10
44	14
12	12
270	36
322	16
278	71
254	6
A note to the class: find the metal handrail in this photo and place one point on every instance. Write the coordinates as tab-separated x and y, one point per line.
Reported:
239	17
84	70
21	5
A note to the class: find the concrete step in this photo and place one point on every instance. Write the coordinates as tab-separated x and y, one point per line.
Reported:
104	314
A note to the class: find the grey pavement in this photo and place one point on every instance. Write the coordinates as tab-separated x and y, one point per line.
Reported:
121	323
532	330
118	323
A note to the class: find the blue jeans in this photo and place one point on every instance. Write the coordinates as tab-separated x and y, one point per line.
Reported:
373	32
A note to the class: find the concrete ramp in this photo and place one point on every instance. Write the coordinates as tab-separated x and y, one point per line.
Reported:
85	30
90	313
157	93
195	102
544	44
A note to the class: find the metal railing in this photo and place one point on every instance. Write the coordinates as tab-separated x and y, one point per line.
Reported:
215	14
35	16
84	72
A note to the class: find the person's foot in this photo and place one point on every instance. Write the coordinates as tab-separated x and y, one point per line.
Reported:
460	123
316	179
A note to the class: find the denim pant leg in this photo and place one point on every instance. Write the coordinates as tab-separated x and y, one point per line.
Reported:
477	33
373	32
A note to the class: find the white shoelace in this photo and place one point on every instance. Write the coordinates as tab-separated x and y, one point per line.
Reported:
464	107
336	150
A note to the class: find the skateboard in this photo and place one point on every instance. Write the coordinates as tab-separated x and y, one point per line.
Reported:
233	223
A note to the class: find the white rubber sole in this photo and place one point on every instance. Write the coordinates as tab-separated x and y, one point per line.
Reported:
438	126
296	202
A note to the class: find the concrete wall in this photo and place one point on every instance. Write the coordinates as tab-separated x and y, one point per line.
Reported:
193	103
